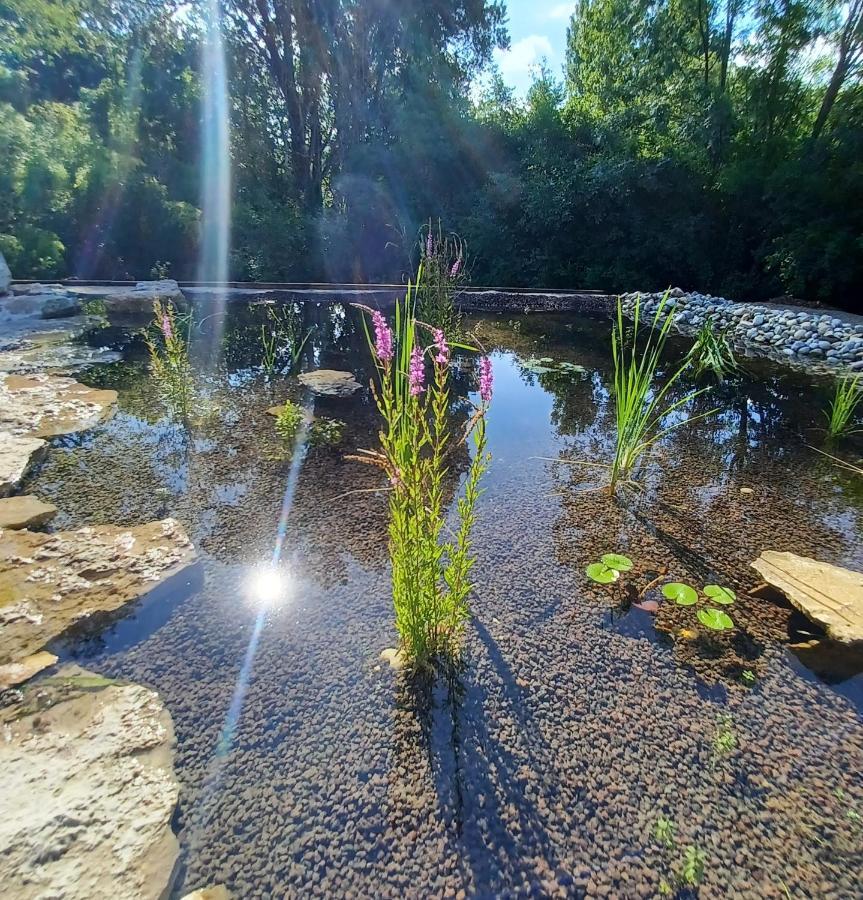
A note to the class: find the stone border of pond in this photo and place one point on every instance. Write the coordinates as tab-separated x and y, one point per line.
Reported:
816	341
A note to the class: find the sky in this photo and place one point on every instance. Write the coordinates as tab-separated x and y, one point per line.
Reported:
537	29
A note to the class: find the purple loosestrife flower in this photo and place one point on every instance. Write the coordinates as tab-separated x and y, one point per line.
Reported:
417	373
383	338
456	267
430	243
166	327
485	379
440	343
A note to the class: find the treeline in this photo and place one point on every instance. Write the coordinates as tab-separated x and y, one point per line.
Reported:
714	144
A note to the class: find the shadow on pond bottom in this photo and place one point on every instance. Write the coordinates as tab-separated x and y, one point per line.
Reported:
579	736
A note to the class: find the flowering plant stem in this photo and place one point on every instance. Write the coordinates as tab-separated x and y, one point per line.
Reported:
169	357
430	572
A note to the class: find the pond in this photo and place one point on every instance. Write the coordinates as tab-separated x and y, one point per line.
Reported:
582	730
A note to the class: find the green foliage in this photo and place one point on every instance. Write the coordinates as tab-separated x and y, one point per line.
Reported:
326	432
641	407
715	619
711	352
609	568
664	831
282	339
444	262
692	867
844	405
681	594
721	595
167	340
431	574
288	421
724	738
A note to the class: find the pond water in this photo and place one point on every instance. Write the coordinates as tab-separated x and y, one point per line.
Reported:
578	722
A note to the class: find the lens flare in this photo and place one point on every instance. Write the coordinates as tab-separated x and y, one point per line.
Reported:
269	588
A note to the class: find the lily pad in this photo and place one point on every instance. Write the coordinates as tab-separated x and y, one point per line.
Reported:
602	573
681	594
617	561
722	595
537	366
572	368
715	619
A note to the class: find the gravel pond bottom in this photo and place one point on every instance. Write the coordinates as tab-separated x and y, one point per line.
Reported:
308	767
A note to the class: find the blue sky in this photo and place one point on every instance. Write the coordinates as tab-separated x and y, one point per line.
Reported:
537	29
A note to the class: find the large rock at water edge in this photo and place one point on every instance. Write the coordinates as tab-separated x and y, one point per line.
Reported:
828	595
17	454
87	793
49	405
25	511
330	382
53	583
138	301
5	276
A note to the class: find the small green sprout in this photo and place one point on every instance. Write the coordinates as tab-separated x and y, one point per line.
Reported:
692	871
748	676
664	831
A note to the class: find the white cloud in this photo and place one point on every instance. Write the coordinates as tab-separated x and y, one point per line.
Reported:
561	11
516	63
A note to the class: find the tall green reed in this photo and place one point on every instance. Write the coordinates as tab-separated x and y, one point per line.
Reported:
168	338
282	335
843	406
711	352
431	563
640	406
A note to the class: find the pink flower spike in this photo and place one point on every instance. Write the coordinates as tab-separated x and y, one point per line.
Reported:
166	327
456	266
486	379
417	373
430	243
442	357
383	338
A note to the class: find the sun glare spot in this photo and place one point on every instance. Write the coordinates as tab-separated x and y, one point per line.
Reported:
268	587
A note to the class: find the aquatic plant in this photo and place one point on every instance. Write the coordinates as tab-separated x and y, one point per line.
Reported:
847	398
686	595
282	334
431	580
640	408
747	676
692	867
288	421
664	831
711	352
608	569
326	432
168	339
724	738
443	257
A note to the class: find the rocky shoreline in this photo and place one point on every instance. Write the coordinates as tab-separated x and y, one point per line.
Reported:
816	341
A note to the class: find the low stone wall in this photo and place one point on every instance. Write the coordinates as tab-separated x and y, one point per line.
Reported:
524	302
805	338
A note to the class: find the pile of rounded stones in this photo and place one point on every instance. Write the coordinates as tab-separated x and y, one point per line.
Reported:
815	340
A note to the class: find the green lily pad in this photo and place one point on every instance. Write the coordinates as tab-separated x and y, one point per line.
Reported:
721	595
573	368
715	619
617	561
681	594
537	367
601	573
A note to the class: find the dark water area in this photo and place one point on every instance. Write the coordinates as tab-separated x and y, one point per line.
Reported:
309	767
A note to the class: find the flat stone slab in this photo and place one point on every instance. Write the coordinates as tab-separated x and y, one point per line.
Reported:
51	583
87	792
828	595
50	405
138	300
330	382
25	511
17	454
23	670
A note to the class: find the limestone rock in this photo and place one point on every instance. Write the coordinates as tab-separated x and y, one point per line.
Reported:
51	583
17	453
330	382
55	352
36	288
828	595
49	405
216	892
25	511
23	670
138	301
61	307
87	793
5	276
